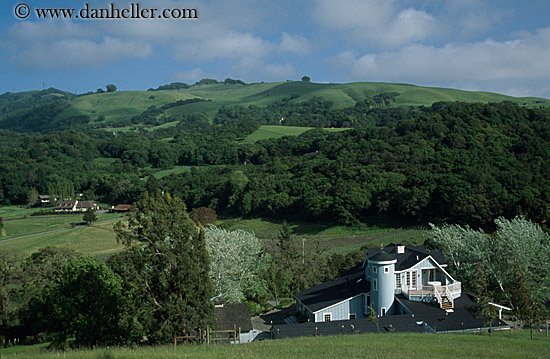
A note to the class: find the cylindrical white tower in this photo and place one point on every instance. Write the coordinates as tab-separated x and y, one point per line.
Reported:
382	283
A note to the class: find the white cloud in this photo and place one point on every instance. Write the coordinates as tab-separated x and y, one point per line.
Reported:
231	45
73	52
192	76
380	23
466	64
295	44
250	69
471	18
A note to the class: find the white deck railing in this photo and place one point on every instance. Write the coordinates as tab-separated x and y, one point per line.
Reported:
452	291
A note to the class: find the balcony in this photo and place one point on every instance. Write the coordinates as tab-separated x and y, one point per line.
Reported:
444	295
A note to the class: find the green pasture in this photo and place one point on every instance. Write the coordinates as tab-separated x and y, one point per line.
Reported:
278	131
99	238
36	224
96	240
501	345
11	212
121	104
336	239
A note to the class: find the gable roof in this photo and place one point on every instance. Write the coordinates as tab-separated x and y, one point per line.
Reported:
346	286
121	207
411	256
86	204
462	317
229	315
65	204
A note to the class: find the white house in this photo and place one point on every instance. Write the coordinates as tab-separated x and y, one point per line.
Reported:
387	278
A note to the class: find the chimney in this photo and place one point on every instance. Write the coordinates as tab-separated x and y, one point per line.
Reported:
400	249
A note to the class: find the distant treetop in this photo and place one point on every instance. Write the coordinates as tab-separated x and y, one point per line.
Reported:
172	86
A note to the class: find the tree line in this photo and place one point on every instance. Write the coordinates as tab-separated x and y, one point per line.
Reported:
457	162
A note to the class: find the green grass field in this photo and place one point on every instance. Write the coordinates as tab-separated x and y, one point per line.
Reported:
277	131
336	239
11	212
95	240
30	225
396	346
99	239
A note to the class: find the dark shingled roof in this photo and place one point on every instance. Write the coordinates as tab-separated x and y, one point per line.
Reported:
86	204
382	256
387	324
347	285
426	318
462	317
412	255
230	314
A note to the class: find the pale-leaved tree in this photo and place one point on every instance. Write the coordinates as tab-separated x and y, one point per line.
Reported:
237	260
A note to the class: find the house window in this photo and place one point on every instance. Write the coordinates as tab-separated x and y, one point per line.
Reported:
352	316
431	275
386	269
368	300
327	317
374	269
375	285
413	279
398	281
383	312
408	279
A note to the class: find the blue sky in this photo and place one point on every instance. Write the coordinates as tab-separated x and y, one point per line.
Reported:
501	46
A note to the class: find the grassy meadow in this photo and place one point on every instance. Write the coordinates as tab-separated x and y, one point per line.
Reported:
276	131
396	346
336	239
97	239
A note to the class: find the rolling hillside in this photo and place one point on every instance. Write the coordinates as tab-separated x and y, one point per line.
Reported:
123	104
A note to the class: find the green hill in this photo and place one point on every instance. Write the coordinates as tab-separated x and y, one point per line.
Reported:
114	110
117	105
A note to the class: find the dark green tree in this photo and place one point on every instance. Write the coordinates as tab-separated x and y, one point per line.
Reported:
9	278
306	78
87	303
89	216
171	267
110	88
278	281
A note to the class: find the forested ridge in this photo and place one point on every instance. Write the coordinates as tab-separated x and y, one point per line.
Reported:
454	162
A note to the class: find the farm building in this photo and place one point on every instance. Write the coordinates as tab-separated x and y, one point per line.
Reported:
75	205
408	287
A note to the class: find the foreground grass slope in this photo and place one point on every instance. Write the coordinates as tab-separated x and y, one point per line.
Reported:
395	346
124	104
